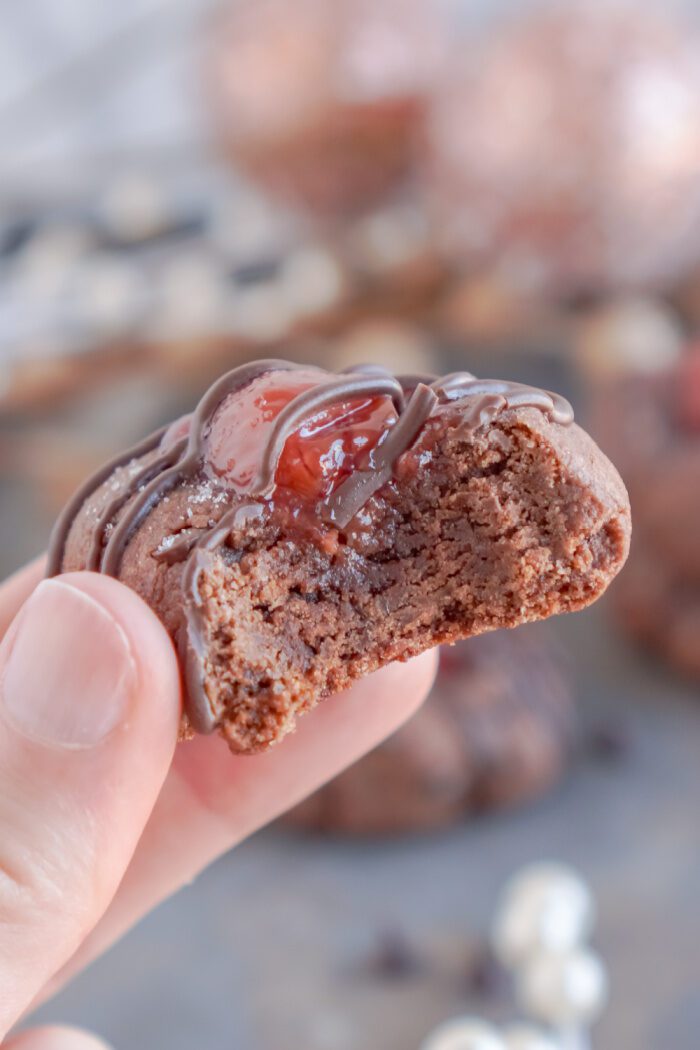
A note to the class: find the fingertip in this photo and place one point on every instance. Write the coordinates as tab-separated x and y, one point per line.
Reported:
356	721
56	1038
404	685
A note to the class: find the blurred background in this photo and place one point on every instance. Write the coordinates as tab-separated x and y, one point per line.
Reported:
508	187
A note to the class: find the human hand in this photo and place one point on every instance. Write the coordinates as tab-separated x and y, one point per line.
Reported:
101	816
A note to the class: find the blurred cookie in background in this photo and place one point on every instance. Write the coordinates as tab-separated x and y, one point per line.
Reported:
322	103
650	424
393	255
495	733
626	334
400	346
486	313
564	148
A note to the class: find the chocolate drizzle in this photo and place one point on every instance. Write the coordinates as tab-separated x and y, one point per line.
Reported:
345	388
459	385
414	398
64	523
352	495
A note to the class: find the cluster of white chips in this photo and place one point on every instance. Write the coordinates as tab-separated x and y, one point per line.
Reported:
545	918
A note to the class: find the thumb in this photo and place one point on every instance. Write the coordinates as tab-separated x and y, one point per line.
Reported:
89	709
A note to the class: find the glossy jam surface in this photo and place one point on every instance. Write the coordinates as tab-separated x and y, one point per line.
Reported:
334	444
322	452
243	424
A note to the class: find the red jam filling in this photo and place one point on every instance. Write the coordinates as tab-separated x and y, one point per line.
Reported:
329	446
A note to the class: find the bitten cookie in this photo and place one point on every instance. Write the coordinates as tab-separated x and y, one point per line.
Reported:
301	529
494	733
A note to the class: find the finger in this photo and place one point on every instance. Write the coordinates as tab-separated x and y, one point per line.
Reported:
55	1038
15	591
89	709
212	800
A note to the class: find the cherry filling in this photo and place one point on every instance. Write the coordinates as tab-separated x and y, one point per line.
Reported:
329	446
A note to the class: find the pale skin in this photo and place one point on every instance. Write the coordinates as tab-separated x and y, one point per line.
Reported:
102	813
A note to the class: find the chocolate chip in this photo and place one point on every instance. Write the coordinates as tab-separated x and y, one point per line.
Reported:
394	958
608	744
485	976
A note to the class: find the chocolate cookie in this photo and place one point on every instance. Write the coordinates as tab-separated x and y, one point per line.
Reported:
301	529
495	732
540	166
323	104
654	433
